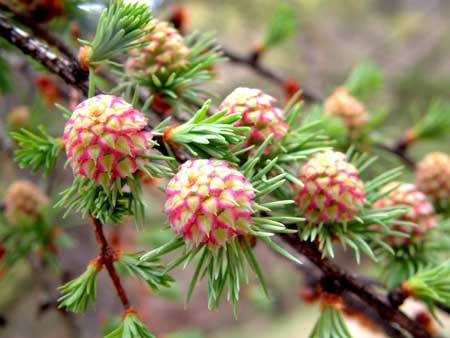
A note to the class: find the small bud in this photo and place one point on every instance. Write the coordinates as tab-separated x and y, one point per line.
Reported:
161	105
290	88
178	17
310	294
48	88
83	56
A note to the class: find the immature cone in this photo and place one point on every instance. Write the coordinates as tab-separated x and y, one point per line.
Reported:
18	117
420	212
258	113
105	139
432	176
332	190
348	109
166	52
210	202
24	200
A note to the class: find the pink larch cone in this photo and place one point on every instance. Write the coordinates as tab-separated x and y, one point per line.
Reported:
166	52
348	109
258	113
105	139
421	211
210	202
24	200
432	176
332	190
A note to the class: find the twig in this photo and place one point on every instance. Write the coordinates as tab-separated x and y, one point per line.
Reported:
351	284
69	71
400	148
29	22
254	63
108	256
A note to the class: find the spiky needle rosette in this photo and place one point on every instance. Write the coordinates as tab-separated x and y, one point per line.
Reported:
332	190
24	200
432	176
105	139
209	202
420	212
348	109
164	53
258	112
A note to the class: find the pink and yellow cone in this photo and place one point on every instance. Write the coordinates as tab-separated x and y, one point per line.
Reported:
332	190
105	139
209	202
258	113
432	176
348	109
421	211
24	200
165	53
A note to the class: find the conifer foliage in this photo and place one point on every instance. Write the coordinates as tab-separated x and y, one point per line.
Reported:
300	179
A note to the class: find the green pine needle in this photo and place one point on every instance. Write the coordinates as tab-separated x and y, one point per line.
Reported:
209	136
431	284
330	325
107	203
149	270
37	151
282	25
77	294
364	79
131	327
119	26
435	123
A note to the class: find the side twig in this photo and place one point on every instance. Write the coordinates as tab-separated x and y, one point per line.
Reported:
28	21
254	63
66	69
108	256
